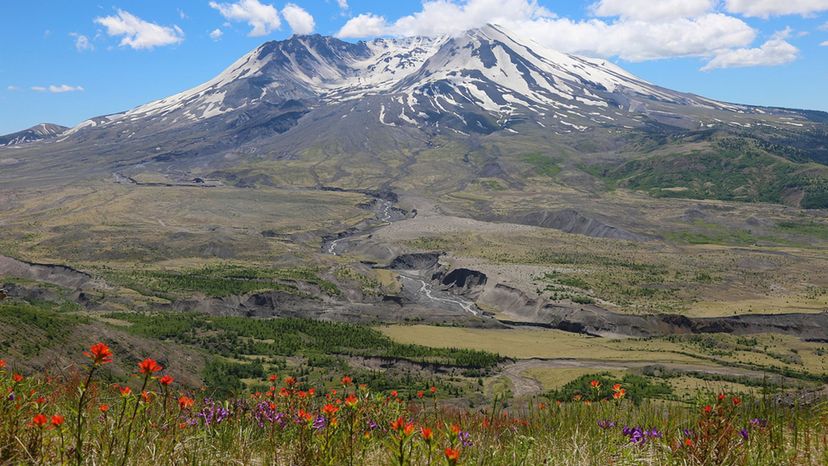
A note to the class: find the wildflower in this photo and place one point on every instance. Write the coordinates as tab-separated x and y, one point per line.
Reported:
272	378
346	380
351	400
397	424
542	406
311	391
688	442
11	396
39	420
290	381
57	420
433	389
166	380
408	429
185	402
708	409
146	396
2	363
595	384
616	387
420	394
744	433
455	429
149	366
577	397
394	393
465	438
452	455
721	396
125	391
736	401
486	423
757	422
103	408
606	424
17	378
619	394
427	434
320	423
329	409
40	400
99	353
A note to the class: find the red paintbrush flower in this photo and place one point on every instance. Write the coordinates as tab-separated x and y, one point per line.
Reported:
595	384
125	391
99	353
346	380
351	400
736	401
329	409
149	366
103	408
166	380
433	390
40	420
57	420
452	455
427	434
409	429
185	402
420	394
397	424
2	363
17	378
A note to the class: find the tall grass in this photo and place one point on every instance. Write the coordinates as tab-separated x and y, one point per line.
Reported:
154	421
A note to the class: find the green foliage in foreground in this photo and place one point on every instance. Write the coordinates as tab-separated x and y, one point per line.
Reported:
235	336
638	388
293	423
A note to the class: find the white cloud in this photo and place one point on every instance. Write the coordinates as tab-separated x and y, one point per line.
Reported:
650	10
12	88
57	89
824	27
139	34
216	34
82	43
300	21
365	25
263	18
635	39
824	44
343	4
767	8
776	51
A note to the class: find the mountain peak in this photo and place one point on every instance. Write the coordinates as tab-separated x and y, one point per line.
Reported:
39	132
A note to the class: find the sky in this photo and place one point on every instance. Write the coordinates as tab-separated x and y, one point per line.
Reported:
65	61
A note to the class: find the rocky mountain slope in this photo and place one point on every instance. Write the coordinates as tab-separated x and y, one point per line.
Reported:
41	132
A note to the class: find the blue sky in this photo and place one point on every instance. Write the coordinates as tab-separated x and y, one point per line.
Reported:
65	61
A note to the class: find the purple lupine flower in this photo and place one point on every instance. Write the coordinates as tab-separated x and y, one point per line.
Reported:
372	425
757	422
688	433
640	436
213	413
606	424
465	438
11	396
320	423
744	433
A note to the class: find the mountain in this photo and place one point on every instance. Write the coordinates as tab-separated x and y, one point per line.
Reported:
311	94
41	132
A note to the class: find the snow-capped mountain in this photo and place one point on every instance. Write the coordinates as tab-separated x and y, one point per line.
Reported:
43	131
288	96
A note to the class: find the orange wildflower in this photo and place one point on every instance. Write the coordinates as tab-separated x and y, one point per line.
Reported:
17	378
103	408
452	455
57	420
595	384
329	409
346	380
619	394
351	400
166	380
39	420
433	389
736	401
125	391
397	424
420	394
427	434
185	402
99	353
149	366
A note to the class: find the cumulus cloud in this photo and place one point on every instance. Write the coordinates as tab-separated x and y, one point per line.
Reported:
216	34
343	4
650	10
634	30
824	44
767	8
776	51
262	18
57	89
139	34
82	43
299	20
